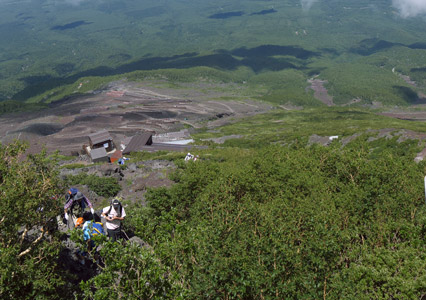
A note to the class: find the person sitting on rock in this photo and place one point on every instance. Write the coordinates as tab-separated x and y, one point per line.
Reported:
113	215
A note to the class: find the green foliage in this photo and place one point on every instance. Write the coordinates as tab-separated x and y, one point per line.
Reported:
29	246
103	186
292	223
360	43
11	106
185	75
285	87
368	83
384	273
163	155
288	127
73	166
61	89
131	271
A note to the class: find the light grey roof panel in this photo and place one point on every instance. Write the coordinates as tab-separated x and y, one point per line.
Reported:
99	137
98	153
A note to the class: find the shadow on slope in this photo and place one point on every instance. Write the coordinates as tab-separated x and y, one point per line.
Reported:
368	47
407	94
258	59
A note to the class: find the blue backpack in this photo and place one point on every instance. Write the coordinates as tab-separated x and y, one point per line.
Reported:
97	228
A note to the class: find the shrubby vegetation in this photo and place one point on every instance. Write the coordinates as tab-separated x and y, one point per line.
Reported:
366	82
29	246
103	186
287	127
10	106
272	222
73	166
162	155
292	223
131	272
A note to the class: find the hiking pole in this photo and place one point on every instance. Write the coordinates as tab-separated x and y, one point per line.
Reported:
125	234
425	189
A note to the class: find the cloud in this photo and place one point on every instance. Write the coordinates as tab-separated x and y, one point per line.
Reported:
306	4
410	8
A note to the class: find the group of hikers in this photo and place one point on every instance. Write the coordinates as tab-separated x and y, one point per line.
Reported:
76	217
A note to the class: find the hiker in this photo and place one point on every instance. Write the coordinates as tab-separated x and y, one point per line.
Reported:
113	215
79	223
189	156
90	229
75	204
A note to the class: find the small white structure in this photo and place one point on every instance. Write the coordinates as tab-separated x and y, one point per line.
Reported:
180	142
189	156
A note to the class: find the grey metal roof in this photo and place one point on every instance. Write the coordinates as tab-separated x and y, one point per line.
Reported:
126	140
137	142
99	137
98	153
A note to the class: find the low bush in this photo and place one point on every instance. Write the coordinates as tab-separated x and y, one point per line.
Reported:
103	186
292	223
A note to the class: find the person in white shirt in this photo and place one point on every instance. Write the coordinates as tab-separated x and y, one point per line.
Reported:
113	215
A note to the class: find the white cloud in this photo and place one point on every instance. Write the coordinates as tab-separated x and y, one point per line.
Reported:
306	4
410	8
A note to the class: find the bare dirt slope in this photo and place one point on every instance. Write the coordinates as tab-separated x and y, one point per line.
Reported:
124	108
320	92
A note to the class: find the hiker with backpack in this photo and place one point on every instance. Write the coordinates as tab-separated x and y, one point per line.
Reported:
90	229
113	215
75	204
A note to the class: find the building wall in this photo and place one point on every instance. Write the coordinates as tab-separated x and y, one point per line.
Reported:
101	159
101	145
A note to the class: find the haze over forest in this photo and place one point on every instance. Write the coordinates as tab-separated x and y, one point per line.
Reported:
45	44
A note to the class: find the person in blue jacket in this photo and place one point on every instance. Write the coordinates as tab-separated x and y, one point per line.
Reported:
91	228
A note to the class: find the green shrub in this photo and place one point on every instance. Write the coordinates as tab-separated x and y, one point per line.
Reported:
134	272
73	166
103	186
29	266
291	223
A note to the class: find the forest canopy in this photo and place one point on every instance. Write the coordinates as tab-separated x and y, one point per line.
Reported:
272	223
